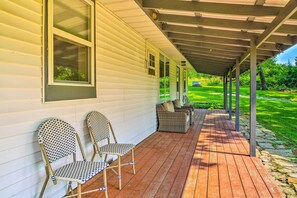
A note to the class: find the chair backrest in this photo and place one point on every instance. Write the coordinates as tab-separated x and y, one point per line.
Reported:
99	124
57	137
177	103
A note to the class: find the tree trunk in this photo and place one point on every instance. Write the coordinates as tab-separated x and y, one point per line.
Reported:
262	78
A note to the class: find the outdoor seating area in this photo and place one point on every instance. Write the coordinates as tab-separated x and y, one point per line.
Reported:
63	62
173	119
211	160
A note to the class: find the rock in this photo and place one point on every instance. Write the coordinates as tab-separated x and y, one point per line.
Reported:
279	176
280	147
284	153
293	175
288	191
292	180
295	186
279	157
279	142
285	163
265	145
265	158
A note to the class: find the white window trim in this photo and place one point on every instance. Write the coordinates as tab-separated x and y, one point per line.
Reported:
149	52
52	30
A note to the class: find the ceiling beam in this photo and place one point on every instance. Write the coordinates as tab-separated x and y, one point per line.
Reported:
210	46
222	50
223	33
213	51
284	14
219	8
223	23
208	55
208	39
210	59
207	31
224	41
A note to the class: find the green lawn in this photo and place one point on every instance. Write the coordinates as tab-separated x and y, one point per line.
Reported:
276	111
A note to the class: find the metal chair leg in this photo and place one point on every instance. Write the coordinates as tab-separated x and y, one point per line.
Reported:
93	156
79	190
133	161
69	189
105	183
119	172
105	157
43	187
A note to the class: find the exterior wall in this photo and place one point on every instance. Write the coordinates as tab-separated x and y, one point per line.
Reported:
126	94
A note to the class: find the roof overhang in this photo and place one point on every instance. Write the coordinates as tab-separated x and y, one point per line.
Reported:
213	35
133	15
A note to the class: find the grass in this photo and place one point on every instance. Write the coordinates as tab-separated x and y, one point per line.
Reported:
276	111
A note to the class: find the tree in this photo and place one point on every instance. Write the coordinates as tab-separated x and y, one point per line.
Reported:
296	61
262	78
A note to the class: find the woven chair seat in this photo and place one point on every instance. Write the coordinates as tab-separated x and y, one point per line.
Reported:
116	149
79	171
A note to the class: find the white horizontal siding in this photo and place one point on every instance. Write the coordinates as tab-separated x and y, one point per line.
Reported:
126	94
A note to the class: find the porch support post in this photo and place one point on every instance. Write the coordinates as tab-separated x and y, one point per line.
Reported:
230	95
225	92
253	86
237	125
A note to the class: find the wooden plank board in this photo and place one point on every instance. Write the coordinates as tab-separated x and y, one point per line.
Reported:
211	160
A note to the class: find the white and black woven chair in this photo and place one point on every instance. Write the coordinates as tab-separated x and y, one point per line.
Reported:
57	140
100	129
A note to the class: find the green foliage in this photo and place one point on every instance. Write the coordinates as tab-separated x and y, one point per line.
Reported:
278	76
204	79
69	74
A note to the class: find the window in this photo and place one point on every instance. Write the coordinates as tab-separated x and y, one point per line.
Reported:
185	80
177	82
151	64
164	78
69	50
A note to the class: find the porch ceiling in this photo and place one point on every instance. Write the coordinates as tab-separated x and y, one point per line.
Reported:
213	35
130	12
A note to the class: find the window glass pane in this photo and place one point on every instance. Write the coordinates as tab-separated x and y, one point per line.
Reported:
73	16
151	71
70	61
167	85
162	79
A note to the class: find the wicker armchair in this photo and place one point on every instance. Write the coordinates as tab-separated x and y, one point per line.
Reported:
172	121
178	107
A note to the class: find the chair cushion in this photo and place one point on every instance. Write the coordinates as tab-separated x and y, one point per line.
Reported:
177	103
169	106
116	149
79	171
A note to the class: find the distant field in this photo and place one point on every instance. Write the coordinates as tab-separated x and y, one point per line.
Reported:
276	110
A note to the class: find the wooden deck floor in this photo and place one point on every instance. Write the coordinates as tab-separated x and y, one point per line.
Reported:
211	160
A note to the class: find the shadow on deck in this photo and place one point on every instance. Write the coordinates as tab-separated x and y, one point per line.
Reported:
211	160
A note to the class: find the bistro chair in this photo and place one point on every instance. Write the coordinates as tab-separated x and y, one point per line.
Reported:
57	140
100	128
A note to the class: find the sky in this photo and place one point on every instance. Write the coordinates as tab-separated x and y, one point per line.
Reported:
287	55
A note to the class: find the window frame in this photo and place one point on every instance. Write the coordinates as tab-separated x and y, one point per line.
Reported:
51	31
165	72
185	80
67	91
149	52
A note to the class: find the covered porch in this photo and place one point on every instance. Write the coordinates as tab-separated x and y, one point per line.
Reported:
211	160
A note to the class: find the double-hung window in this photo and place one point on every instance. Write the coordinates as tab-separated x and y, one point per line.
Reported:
151	64
69	50
164	78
